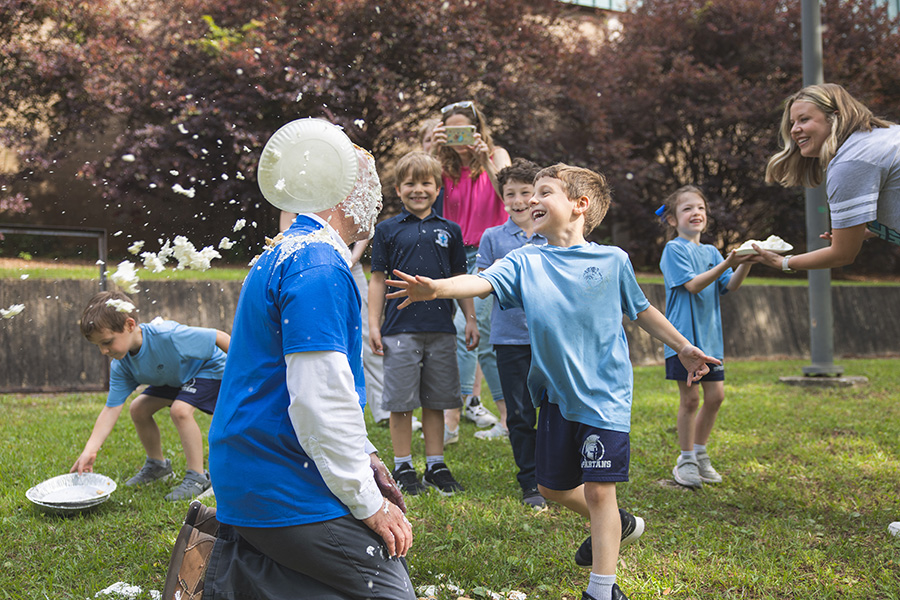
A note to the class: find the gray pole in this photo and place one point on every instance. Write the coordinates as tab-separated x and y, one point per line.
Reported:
821	319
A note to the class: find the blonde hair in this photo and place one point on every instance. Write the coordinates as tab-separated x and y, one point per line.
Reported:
425	128
99	314
418	165
846	114
670	205
450	160
578	182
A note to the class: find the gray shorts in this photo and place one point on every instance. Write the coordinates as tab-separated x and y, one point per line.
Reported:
340	559
420	370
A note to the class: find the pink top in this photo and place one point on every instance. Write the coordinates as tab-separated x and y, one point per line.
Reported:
473	204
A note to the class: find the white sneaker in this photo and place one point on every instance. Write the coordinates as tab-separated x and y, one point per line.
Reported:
416	423
450	437
894	528
707	473
475	411
494	433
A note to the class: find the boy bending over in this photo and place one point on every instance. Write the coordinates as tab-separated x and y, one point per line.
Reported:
183	367
574	294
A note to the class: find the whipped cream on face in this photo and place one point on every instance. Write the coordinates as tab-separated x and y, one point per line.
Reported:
364	202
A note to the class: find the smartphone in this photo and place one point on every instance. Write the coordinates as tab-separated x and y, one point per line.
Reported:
463	135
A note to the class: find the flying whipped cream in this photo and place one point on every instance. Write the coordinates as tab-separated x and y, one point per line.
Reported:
9	313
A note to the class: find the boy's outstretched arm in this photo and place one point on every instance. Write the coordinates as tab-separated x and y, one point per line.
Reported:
102	428
693	358
418	288
223	340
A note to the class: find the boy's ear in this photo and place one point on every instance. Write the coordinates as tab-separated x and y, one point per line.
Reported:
130	324
581	205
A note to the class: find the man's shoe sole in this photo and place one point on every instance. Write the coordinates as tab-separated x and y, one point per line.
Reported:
187	566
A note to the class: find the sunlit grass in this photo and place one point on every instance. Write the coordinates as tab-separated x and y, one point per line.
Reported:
811	483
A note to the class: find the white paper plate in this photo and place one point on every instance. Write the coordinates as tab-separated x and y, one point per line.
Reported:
308	165
72	492
763	246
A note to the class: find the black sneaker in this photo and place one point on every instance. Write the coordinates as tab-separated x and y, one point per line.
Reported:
632	529
617	594
439	478
407	480
533	498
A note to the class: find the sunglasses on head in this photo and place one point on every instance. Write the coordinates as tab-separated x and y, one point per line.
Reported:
461	105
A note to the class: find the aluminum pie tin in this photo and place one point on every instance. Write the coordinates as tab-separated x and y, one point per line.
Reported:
308	165
71	492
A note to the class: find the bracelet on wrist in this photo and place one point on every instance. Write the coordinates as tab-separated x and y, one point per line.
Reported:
785	264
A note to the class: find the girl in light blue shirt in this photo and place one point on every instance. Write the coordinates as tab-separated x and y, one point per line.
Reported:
696	276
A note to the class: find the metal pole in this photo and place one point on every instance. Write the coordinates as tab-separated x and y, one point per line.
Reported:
821	318
102	251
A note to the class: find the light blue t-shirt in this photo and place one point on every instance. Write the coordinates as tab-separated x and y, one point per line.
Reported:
507	326
298	297
171	354
574	300
698	317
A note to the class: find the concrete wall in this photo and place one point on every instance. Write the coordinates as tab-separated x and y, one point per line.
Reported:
42	350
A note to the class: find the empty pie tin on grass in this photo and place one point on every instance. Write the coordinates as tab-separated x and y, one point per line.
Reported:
70	493
308	165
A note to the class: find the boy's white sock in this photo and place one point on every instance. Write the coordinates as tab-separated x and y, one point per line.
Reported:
430	461
688	454
699	449
600	586
399	460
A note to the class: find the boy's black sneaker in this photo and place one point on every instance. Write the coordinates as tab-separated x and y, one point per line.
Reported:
407	480
632	529
617	594
440	478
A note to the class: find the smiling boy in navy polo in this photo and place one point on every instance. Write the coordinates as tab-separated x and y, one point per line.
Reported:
418	344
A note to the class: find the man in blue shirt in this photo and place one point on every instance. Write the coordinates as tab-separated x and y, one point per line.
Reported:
291	465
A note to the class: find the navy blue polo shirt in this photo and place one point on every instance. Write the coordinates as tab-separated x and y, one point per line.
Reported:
432	247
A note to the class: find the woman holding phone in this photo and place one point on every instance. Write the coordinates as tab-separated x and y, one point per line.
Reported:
470	163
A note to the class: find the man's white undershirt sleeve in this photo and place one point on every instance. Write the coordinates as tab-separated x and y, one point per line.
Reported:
329	424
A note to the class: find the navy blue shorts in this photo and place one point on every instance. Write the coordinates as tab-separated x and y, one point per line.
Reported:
199	393
570	453
676	371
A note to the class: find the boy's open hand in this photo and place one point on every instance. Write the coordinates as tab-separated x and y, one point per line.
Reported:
415	288
695	361
85	463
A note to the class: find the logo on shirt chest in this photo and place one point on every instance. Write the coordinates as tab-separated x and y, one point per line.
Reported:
592	279
442	238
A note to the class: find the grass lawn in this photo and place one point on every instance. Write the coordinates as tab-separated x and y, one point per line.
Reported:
812	479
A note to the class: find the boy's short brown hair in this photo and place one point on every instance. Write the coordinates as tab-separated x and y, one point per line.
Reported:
521	169
99	314
578	182
418	165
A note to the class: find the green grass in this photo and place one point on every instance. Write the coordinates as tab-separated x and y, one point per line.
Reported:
51	270
812	479
798	280
92	273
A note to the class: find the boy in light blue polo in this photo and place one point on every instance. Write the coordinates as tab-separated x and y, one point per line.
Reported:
575	295
183	368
